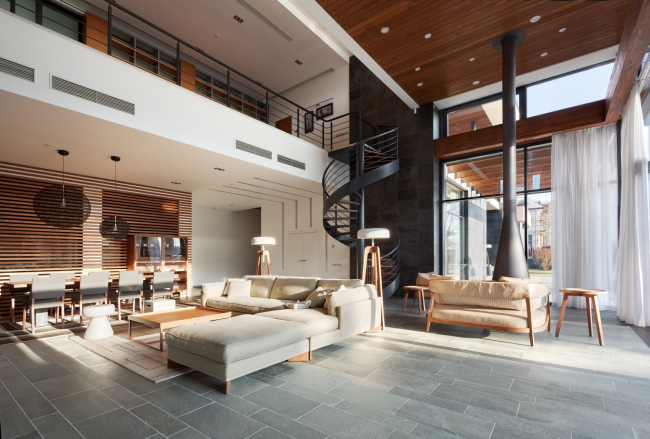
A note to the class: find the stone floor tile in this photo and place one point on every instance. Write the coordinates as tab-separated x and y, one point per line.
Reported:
240	405
19	386
9	371
14	422
451	421
387	419
509	394
282	402
348	365
188	433
549	390
372	398
118	424
62	386
6	400
311	380
428	431
84	405
35	405
55	426
287	426
244	385
339	423
123	397
195	381
176	400
219	422
269	433
362	381
45	372
314	395
139	385
266	379
391	378
476	398
430	399
158	419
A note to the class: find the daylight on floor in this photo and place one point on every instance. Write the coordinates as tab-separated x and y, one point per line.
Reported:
324	219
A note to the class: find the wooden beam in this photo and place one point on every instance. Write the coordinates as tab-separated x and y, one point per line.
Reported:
533	129
633	45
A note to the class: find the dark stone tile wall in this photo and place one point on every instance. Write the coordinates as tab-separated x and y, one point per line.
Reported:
493	228
406	202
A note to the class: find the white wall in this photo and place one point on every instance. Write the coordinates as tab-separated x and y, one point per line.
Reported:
221	244
333	87
161	108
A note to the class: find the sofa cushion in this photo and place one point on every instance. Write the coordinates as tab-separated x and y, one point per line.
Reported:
520	280
488	316
236	338
211	290
317	319
248	305
261	285
317	297
487	302
334	284
344	297
423	279
238	288
293	288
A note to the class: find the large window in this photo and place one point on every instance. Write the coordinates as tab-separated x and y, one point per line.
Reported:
481	115
473	213
48	14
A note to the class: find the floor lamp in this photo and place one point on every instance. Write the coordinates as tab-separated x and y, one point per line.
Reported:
263	256
375	261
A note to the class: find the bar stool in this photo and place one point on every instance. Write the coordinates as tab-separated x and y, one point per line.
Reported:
129	288
589	295
46	293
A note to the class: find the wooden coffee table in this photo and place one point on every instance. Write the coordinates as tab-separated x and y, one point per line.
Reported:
174	318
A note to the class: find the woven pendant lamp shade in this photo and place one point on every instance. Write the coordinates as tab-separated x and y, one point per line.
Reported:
49	209
114	228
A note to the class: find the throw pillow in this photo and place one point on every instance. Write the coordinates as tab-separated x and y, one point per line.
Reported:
239	288
318	297
423	279
345	297
211	291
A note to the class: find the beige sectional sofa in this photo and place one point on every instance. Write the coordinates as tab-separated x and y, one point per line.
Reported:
264	331
516	305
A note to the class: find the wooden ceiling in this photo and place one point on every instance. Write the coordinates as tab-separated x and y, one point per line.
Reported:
464	29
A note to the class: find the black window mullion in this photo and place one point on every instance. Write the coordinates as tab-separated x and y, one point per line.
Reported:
39	13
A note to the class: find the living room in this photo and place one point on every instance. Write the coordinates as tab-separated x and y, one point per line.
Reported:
420	220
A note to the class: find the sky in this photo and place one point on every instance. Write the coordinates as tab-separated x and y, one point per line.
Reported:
569	91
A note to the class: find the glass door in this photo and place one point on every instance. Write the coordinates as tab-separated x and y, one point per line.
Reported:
148	256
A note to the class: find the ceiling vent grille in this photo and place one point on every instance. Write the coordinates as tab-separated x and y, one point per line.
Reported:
268	22
243	146
17	70
291	162
92	95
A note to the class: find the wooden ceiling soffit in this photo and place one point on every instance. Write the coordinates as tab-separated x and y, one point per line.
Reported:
529	130
632	48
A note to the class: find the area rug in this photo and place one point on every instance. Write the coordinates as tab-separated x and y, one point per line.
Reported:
147	362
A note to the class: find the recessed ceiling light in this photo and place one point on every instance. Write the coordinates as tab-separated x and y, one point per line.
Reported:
476	82
544	54
384	30
427	36
219	169
49	145
217	35
420	84
298	62
535	19
472	59
417	69
563	29
236	17
175	182
231	205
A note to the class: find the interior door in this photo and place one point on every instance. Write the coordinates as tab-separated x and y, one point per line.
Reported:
296	248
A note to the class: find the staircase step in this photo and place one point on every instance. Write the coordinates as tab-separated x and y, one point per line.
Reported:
348	202
343	210
339	234
339	218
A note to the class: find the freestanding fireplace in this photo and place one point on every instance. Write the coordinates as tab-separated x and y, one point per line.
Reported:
511	258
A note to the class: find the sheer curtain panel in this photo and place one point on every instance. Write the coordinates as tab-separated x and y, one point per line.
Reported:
634	238
584	191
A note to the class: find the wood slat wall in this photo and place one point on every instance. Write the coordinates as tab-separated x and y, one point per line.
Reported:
28	245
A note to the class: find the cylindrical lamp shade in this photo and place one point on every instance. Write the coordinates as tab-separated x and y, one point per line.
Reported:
373	234
263	240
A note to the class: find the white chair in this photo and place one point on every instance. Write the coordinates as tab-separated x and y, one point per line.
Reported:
46	293
92	289
129	288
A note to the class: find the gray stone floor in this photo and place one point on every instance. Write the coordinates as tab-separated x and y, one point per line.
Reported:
403	383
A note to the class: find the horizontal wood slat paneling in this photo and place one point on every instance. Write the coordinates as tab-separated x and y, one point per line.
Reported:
28	245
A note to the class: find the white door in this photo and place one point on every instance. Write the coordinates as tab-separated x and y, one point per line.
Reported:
303	254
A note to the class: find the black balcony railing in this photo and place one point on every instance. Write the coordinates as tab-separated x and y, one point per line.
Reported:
188	66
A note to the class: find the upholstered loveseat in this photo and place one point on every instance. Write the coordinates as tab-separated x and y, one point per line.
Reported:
264	331
510	305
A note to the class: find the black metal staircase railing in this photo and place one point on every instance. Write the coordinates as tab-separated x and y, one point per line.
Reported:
350	171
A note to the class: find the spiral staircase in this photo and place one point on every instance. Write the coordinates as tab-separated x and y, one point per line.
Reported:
352	169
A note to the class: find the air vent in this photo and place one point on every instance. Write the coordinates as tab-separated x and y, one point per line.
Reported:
291	162
17	70
268	22
92	95
243	146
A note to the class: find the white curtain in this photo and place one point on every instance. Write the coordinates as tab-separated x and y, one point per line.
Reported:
634	239
584	193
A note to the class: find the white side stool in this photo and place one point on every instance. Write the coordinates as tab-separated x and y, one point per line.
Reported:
159	305
99	326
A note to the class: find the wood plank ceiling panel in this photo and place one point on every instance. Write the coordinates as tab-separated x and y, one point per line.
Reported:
465	29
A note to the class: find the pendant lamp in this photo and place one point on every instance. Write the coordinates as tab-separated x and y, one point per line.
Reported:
114	228
60	206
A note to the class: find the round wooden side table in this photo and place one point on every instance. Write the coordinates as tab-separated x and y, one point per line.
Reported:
419	294
590	295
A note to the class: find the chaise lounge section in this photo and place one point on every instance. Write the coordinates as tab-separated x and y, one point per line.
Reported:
265	332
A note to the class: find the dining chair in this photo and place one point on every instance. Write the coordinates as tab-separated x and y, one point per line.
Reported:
129	288
19	293
163	284
46	293
92	289
63	274
103	274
